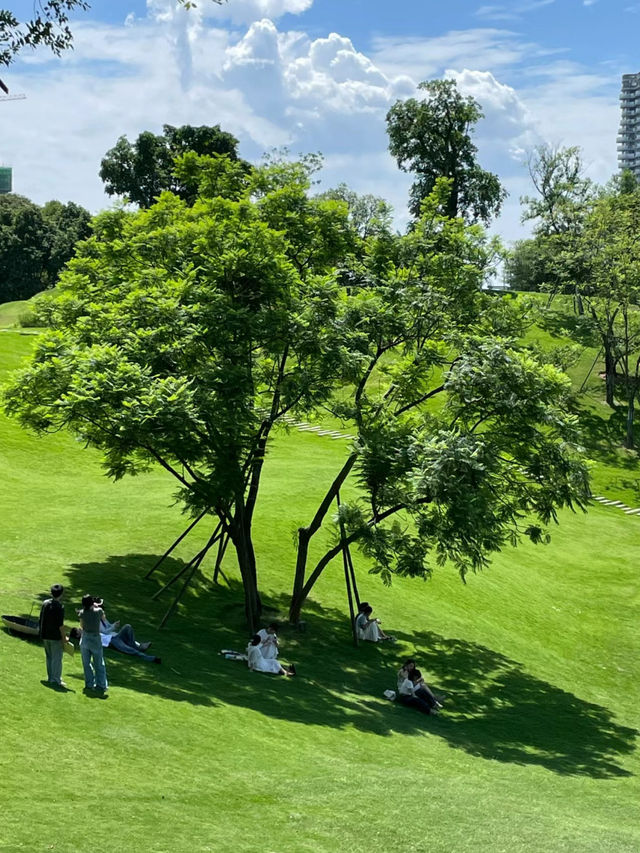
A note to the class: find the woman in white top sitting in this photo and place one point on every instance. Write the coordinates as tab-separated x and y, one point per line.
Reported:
368	628
258	663
269	641
414	691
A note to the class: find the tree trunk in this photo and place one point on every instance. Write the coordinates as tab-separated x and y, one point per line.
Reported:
609	373
629	442
298	594
297	600
240	533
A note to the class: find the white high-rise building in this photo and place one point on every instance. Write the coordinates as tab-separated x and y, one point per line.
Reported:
629	135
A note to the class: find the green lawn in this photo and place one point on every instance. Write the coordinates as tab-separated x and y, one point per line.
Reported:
9	313
537	750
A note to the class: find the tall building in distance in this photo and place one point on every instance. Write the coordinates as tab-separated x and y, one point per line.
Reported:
629	136
5	179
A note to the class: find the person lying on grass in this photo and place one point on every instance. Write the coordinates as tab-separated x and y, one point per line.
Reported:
269	645
411	684
258	663
123	640
369	628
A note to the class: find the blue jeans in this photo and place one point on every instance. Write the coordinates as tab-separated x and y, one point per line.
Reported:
91	650
125	641
53	653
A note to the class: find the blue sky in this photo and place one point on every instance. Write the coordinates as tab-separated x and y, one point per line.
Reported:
320	75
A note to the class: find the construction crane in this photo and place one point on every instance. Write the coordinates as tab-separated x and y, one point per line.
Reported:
7	97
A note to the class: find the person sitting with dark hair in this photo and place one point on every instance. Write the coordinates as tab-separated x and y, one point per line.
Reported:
259	663
368	628
269	645
412	686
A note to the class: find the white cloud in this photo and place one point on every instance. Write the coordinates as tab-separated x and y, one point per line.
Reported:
271	88
248	11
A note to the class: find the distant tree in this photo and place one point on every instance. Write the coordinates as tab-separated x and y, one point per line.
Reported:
564	192
24	248
35	243
68	224
532	265
611	292
368	214
431	138
49	27
143	169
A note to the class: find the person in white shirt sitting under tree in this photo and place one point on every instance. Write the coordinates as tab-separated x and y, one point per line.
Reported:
258	663
269	645
368	628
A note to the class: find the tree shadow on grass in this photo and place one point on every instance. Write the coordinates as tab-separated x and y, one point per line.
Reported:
602	435
495	709
499	711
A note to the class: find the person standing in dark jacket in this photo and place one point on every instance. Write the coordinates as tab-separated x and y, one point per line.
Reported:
52	634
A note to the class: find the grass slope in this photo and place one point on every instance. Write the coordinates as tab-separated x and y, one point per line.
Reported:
538	656
10	313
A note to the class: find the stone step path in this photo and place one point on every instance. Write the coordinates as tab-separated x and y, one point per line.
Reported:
617	505
303	426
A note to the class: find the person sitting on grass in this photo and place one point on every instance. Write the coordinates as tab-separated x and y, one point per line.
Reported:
407	695
269	645
368	628
258	663
421	689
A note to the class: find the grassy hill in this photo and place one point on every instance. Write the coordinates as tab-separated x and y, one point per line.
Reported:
10	313
538	656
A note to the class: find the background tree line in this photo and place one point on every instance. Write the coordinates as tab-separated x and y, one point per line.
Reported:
36	242
586	244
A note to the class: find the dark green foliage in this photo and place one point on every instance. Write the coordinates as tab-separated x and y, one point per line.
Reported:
23	248
68	224
531	266
35	243
431	138
141	170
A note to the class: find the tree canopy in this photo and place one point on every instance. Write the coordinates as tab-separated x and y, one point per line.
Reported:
183	335
431	138
141	170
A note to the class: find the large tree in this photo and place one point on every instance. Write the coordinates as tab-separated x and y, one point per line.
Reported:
432	138
181	336
48	27
463	436
141	170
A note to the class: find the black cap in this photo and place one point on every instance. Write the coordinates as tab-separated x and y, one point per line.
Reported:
56	590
